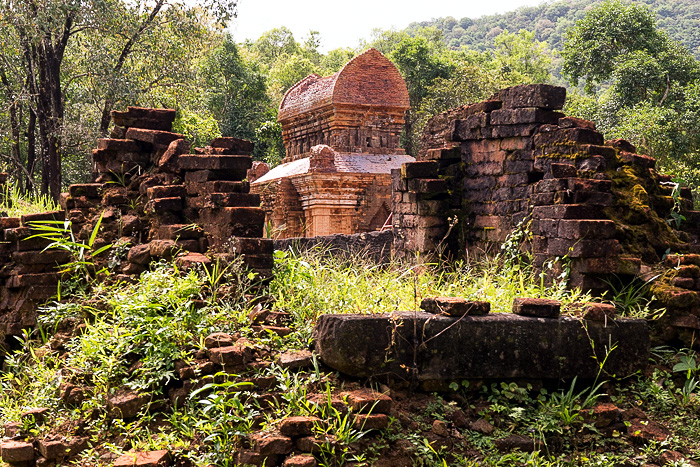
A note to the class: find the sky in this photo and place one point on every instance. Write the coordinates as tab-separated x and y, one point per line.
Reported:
344	24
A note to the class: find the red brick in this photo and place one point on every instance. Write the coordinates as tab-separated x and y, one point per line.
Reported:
161	205
16	451
272	444
43	217
366	400
599	312
454	306
117	145
166	191
237	354
300	460
216	162
544	96
144	459
155	137
569	136
298	426
375	421
536	307
235	145
26	280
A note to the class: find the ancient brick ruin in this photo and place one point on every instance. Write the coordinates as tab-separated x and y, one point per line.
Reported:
597	206
155	198
341	135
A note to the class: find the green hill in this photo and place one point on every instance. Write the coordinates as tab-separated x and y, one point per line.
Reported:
550	20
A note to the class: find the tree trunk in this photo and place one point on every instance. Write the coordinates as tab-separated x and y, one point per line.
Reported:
126	50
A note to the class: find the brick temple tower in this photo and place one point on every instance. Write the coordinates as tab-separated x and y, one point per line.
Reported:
341	135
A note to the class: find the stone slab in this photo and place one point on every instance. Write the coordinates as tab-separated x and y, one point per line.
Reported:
499	345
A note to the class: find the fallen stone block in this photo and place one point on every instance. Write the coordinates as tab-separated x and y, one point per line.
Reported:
298	426
219	339
374	421
216	162
240	353
16	451
536	307
126	404
254	458
144	459
300	460
454	306
368	400
40	217
498	345
599	312
272	444
295	360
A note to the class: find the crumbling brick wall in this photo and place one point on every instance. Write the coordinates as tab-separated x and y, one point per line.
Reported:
156	198
515	157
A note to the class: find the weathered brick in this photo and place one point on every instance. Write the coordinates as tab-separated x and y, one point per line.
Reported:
166	191
366	400
568	211
240	353
144	459
569	136
16	451
578	229
524	115
298	426
536	307
300	460
427	169
272	444
232	163
154	137
235	145
544	96
374	421
454	306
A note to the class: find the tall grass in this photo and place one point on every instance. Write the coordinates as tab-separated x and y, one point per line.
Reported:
16	203
315	282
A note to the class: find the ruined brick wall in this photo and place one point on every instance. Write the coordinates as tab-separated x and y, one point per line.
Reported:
517	157
156	198
598	204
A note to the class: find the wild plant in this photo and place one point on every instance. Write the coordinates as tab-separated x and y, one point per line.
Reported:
631	297
228	417
16	202
82	265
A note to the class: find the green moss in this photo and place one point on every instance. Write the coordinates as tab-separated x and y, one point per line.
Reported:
642	232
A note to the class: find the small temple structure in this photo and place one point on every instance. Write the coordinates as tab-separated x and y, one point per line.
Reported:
341	134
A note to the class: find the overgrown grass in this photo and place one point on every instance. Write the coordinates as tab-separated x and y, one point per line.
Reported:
132	334
315	282
16	203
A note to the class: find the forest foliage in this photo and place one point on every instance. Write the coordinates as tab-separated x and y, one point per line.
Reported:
552	19
109	54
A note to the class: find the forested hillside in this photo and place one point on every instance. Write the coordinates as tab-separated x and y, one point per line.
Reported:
551	20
